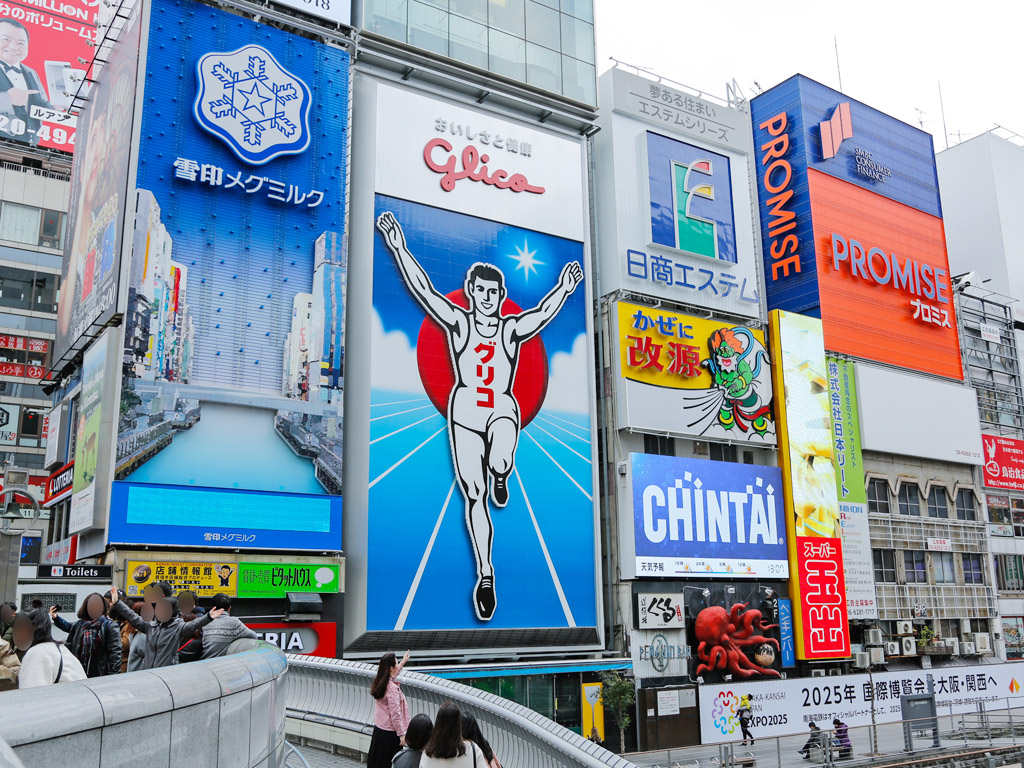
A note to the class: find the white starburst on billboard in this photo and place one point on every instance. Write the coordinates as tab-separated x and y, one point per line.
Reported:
526	259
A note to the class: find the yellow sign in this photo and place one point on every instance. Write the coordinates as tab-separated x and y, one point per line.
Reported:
593	711
722	371
205	579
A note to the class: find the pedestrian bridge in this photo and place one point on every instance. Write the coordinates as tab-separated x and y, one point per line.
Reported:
239	710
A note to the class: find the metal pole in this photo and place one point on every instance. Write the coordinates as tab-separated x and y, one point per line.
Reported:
778	750
874	728
1009	717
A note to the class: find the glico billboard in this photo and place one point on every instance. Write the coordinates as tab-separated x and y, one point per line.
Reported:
852	229
480	434
234	321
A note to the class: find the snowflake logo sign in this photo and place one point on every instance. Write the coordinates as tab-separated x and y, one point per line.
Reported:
252	103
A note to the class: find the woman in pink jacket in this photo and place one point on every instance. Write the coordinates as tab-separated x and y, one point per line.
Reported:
391	712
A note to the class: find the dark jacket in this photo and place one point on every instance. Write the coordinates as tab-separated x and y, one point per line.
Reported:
163	639
409	758
30	136
108	659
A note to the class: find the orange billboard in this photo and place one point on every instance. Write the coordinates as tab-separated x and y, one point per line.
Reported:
883	279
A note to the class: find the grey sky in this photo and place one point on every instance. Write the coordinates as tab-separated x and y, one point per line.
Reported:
893	54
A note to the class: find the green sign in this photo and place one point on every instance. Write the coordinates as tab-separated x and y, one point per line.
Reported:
277	579
846	456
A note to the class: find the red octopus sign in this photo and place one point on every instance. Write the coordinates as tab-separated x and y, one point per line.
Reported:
724	635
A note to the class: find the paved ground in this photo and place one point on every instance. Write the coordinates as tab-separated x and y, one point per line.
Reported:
318	758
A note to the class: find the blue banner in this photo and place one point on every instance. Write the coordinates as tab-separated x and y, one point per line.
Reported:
707	519
786	633
230	428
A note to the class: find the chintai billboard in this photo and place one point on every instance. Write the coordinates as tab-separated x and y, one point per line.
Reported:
230	426
480	433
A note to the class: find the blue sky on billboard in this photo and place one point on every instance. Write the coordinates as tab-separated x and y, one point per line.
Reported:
897	68
544	536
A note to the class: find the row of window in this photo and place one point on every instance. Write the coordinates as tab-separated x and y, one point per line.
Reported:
25	288
908	500
915	567
31	226
1007	514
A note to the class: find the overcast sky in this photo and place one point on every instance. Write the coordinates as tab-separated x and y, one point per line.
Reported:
893	54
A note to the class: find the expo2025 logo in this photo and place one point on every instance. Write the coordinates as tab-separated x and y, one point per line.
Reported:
256	106
723	711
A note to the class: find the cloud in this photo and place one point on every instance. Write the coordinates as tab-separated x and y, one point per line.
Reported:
393	367
568	383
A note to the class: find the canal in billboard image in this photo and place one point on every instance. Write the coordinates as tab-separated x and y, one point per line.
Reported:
234	343
707	519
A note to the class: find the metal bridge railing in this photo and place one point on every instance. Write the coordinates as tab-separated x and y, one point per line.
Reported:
337	693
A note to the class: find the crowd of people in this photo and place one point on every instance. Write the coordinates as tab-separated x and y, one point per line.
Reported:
453	740
113	636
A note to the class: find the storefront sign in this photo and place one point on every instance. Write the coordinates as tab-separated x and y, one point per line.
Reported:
847	460
786	633
314	638
784	707
205	579
61	552
694	376
1004	462
659	653
668	703
59	484
101	573
707	519
659	610
278	579
940	545
811	493
1000	529
991	333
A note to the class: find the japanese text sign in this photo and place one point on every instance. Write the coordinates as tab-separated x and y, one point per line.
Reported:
812	504
1004	462
706	377
205	579
278	579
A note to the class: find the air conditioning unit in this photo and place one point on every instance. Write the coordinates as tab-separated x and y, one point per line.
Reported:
965	626
873	637
904	627
821	672
981	642
861	660
953	644
968	648
835	672
877	656
892	648
909	646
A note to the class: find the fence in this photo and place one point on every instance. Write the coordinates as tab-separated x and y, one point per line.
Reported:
329	700
992	726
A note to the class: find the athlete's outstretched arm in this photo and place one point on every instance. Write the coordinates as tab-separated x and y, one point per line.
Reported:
533	321
435	304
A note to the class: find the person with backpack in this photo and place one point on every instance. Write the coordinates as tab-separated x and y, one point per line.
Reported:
94	639
166	634
46	662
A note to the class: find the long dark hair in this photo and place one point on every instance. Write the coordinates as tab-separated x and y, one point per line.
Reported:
83	610
446	740
418	733
379	686
471	730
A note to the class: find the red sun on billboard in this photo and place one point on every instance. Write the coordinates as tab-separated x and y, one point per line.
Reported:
434	362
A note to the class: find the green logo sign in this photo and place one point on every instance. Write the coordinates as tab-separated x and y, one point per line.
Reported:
277	579
846	456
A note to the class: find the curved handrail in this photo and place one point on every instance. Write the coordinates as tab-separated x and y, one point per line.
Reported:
338	692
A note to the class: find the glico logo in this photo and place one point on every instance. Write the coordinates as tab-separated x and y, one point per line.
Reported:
691	185
253	104
474	168
835	130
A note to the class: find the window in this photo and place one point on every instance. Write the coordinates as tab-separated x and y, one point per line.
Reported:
972	569
468	42
1009	573
659	445
937	504
914	564
998	509
27	289
428	28
542	26
51	232
543	67
578	39
878	495
965	509
885	565
508	55
909	499
20	223
945	573
1017	515
508	16
722	452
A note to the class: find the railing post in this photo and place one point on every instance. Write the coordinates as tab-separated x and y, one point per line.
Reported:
1009	717
778	751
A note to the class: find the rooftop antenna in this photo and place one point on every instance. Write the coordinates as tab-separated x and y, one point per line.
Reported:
839	71
942	107
920	116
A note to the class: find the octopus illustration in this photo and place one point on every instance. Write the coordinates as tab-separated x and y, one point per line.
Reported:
724	634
